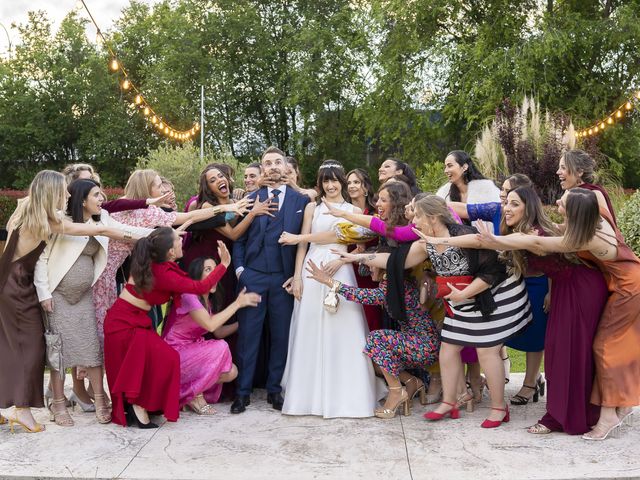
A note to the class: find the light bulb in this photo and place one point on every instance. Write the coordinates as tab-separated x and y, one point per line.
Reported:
154	119
602	125
138	99
166	129
146	111
590	131
619	114
126	84
114	65
628	106
609	120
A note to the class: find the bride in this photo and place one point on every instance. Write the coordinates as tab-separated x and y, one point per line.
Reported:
327	373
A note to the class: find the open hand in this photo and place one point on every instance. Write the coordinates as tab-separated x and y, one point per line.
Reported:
336	212
346	257
182	229
161	200
238	194
248	299
317	273
455	295
332	267
240	207
223	253
264	208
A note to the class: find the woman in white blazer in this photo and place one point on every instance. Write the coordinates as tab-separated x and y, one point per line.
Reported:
64	275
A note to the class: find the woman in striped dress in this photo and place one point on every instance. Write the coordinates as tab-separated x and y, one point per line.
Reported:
485	306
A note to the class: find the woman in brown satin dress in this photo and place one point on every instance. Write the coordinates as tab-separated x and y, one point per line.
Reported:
590	232
22	348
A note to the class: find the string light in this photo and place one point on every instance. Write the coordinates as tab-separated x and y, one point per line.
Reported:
116	66
610	119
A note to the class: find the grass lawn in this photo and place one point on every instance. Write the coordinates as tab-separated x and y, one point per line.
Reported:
518	360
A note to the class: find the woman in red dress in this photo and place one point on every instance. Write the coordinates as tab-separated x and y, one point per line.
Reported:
143	372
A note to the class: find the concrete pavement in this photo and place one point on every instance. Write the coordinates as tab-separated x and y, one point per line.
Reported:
262	443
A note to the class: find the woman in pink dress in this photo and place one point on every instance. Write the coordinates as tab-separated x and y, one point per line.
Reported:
204	364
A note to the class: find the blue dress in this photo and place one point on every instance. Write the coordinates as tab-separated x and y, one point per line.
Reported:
532	338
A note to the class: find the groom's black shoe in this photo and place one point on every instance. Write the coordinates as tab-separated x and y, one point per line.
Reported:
240	403
276	400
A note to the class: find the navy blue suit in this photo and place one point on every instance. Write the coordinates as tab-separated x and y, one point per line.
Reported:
267	265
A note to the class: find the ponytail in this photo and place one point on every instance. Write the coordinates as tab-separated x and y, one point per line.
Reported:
148	250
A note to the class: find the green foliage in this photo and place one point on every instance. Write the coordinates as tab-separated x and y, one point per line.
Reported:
355	81
431	177
629	222
182	165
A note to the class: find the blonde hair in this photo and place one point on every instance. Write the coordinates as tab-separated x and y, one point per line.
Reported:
44	204
72	172
139	184
434	206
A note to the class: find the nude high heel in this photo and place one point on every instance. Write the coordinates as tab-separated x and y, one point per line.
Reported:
415	386
391	412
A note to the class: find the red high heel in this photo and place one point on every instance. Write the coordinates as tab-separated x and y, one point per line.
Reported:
454	413
496	423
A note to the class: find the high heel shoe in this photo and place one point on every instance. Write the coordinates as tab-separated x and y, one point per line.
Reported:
103	414
391	412
496	423
60	417
418	389
132	419
2	420
38	427
453	412
612	431
506	362
86	407
522	400
468	401
48	396
624	420
541	384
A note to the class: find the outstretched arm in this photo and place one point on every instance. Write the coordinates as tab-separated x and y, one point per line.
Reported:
417	254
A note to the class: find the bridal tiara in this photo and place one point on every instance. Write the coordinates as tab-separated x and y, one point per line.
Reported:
331	165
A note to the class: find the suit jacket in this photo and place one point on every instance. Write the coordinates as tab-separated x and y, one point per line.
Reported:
62	251
249	246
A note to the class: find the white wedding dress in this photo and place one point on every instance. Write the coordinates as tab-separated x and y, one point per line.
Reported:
327	374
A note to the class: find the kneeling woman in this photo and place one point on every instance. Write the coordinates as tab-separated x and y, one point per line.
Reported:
204	364
142	370
414	344
484	306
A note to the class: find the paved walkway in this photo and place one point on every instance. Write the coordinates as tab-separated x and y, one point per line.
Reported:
263	444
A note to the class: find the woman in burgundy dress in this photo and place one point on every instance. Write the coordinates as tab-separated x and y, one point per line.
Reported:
142	370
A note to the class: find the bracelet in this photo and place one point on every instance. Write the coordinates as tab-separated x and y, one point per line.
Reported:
336	285
127	235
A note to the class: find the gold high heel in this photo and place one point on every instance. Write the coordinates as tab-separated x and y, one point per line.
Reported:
38	427
391	412
419	389
102	410
467	400
61	418
2	420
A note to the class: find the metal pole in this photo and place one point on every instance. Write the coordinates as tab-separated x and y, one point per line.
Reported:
201	122
8	39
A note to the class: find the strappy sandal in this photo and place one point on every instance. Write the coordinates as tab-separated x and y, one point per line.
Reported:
62	417
538	429
522	400
403	401
103	414
414	387
206	409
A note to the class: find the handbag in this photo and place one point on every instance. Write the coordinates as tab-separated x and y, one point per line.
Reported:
53	342
331	300
460	282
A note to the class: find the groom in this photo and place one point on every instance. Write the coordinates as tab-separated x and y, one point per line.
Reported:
263	266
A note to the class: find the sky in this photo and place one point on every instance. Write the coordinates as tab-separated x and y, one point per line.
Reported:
15	11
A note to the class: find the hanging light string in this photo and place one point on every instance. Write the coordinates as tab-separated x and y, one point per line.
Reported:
139	100
616	116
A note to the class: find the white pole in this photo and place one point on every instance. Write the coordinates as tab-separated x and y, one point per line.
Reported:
201	122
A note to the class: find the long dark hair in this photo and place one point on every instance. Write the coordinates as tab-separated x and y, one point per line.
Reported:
462	158
195	270
151	249
533	217
408	175
332	170
367	185
79	191
399	197
204	193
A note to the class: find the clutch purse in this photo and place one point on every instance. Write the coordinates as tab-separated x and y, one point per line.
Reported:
331	300
53	342
460	282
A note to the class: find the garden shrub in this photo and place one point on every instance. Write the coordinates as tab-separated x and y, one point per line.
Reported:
629	222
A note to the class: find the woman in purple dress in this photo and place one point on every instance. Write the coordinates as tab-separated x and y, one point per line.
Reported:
204	364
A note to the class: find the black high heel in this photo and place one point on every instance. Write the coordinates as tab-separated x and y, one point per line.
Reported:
132	419
541	384
522	400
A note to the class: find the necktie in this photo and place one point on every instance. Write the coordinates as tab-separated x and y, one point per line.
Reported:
275	200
